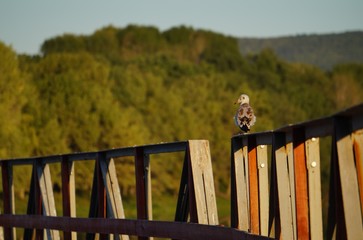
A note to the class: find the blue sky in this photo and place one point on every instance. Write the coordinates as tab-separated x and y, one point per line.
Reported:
25	25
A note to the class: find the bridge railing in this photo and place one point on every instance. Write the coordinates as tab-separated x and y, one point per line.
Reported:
276	182
196	201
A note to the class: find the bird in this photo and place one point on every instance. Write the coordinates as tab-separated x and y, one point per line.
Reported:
244	118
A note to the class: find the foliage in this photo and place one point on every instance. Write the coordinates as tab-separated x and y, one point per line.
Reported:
137	85
325	50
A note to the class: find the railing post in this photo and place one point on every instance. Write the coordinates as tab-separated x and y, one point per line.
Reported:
253	186
8	196
263	191
68	193
312	151
114	202
203	206
141	186
301	184
358	153
348	179
284	219
239	202
46	190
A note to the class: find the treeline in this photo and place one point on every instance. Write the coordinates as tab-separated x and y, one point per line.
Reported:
136	85
323	50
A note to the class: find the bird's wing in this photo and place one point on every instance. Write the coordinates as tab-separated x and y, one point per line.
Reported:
245	116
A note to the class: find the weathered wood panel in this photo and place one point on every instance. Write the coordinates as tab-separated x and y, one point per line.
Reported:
68	194
263	190
348	180
314	182
358	153
239	205
46	190
203	183
283	186
114	202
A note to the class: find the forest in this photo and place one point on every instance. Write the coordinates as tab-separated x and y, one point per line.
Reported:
137	85
323	50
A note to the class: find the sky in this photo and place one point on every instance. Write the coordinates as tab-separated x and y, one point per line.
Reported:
25	24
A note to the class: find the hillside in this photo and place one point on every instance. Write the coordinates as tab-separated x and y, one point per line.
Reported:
323	50
137	85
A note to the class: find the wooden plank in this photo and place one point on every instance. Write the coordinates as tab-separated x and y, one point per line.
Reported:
8	196
315	206
247	174
358	153
202	174
290	163
176	230
274	216
239	206
263	189
336	223
68	193
46	191
148	194
301	185
253	186
114	202
348	180
283	187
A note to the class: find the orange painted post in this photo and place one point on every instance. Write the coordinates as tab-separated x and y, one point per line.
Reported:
358	154
301	186
253	186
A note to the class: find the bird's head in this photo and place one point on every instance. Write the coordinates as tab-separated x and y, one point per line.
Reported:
243	99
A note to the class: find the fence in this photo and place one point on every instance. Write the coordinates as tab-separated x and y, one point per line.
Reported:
280	196
196	201
274	194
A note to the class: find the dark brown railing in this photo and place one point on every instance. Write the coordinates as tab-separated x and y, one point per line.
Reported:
280	196
196	201
275	189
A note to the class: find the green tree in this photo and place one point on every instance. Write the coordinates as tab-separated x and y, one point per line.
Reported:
14	137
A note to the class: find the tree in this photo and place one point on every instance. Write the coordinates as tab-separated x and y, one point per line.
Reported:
13	86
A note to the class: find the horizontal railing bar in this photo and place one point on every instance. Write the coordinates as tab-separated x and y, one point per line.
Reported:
165	147
110	153
143	228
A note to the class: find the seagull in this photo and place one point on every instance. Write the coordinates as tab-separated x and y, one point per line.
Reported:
244	118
